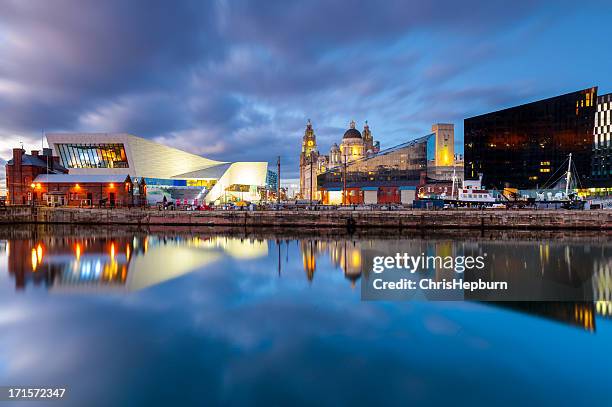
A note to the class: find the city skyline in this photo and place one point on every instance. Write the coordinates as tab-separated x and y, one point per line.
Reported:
233	79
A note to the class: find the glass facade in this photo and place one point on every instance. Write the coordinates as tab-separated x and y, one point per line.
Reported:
397	166
525	146
92	155
602	144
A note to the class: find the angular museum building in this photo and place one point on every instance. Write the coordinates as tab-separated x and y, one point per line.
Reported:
168	172
526	146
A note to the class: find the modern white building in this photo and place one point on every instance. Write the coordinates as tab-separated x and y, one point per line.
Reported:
168	172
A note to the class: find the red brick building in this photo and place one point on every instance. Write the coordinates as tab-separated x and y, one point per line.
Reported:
111	191
21	171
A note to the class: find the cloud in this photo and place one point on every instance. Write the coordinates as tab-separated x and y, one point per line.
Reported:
238	79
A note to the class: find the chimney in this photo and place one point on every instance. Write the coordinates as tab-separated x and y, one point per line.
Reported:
17	154
34	153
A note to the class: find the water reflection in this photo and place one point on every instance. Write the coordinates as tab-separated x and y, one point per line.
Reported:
136	261
124	263
254	317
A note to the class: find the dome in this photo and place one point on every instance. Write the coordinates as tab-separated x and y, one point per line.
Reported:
352	132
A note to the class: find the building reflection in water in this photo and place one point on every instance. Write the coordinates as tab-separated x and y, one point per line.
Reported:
135	262
602	285
129	263
562	263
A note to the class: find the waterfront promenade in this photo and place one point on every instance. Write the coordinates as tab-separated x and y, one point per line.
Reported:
403	219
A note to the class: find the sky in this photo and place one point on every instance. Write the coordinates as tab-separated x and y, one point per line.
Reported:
237	80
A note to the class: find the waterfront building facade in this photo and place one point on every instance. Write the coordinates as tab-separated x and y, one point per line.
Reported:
110	191
168	172
357	172
388	176
355	145
22	170
526	146
602	144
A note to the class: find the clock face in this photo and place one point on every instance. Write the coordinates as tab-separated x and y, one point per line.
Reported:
310	143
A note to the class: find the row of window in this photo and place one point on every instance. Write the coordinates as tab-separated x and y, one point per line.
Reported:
93	155
476	196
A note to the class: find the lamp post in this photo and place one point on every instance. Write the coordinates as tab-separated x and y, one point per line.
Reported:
278	181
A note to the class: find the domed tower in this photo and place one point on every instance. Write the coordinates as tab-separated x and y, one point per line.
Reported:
368	140
334	156
352	147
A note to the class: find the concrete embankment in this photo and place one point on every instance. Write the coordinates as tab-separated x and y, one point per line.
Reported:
408	219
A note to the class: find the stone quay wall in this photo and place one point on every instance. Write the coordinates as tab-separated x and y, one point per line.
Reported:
408	219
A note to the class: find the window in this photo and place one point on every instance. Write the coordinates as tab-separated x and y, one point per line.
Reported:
93	155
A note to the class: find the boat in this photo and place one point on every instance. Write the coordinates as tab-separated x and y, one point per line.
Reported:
471	193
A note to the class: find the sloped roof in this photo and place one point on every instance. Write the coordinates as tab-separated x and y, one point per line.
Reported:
34	161
83	179
214	172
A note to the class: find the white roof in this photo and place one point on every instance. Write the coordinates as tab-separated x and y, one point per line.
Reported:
83	179
145	158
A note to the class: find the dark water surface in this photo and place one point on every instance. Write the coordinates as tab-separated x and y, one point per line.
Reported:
178	317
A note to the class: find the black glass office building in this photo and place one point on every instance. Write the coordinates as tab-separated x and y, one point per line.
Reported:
526	146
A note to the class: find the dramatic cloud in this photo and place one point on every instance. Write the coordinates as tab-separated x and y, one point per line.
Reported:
236	80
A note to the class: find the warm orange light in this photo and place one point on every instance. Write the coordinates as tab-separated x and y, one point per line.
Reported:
39	253
77	186
127	251
111	185
112	250
33	185
77	251
34	260
38	186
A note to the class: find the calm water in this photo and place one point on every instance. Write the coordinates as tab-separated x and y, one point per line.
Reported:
176	317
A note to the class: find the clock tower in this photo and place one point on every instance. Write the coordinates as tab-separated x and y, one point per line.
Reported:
309	141
308	163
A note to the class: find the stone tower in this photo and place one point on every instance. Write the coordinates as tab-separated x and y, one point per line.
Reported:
308	163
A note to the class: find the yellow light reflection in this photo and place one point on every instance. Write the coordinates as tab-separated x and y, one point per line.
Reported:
39	253
356	259
34	260
77	251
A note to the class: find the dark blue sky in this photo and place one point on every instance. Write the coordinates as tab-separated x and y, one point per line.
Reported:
236	80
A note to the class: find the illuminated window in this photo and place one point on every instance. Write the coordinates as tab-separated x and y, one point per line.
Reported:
93	155
544	169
